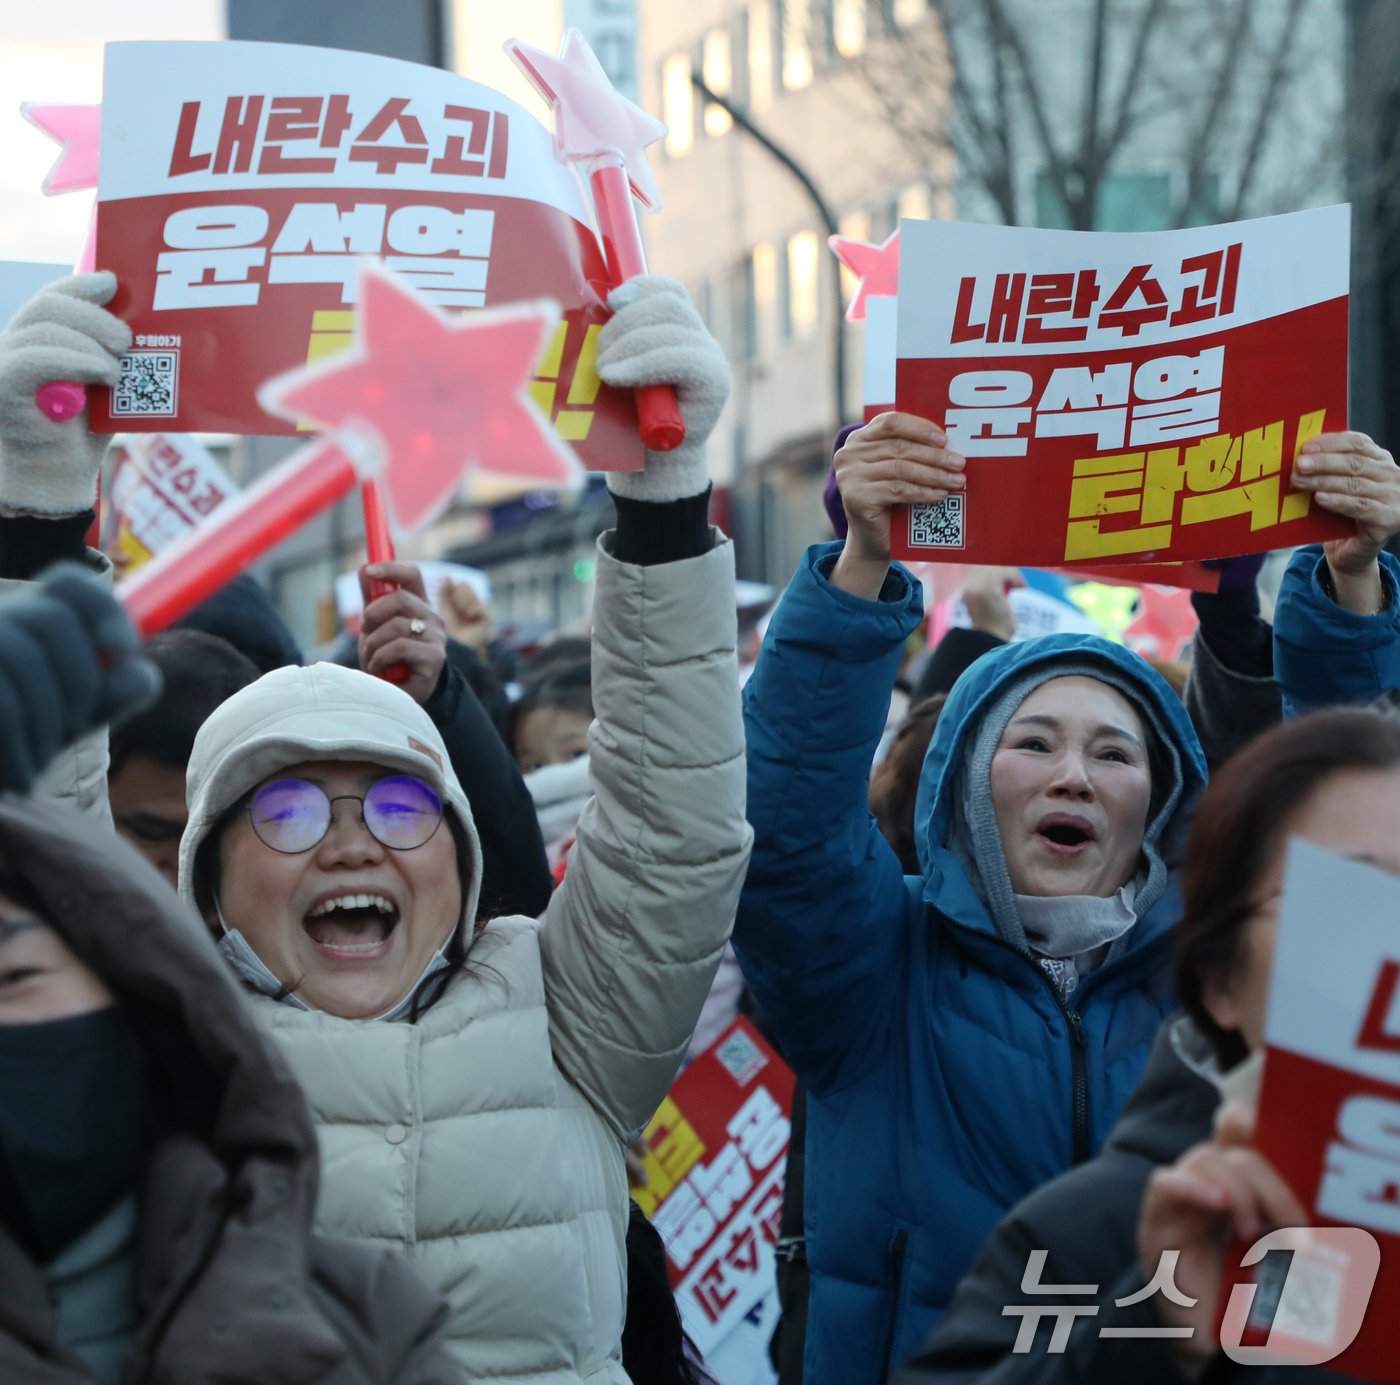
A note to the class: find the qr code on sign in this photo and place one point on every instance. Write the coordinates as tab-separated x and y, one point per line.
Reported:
741	1057
937	526
149	385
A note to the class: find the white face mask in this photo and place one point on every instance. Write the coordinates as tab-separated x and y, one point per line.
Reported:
251	968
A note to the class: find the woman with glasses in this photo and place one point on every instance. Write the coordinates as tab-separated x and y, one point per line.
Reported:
475	1085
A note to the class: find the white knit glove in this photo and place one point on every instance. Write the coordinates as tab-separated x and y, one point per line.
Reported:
657	338
62	333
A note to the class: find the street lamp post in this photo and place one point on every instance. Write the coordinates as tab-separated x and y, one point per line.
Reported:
838	335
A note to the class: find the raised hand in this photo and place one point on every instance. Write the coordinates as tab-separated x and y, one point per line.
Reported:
896	459
657	338
402	627
49	467
1351	475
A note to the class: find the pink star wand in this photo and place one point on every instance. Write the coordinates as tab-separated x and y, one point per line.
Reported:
397	416
77	129
598	127
875	266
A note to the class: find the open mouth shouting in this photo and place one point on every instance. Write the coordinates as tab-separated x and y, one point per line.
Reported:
352	925
1065	835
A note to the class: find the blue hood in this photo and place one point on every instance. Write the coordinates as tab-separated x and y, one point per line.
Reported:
946	885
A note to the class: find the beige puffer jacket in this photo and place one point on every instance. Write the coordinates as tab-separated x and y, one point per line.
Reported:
487	1139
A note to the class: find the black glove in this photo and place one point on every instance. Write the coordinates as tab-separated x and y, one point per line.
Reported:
69	661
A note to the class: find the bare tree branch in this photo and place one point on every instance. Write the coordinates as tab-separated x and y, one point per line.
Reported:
1208	129
1279	68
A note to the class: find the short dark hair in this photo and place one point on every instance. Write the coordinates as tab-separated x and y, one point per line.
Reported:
1236	832
199	673
568	686
894	785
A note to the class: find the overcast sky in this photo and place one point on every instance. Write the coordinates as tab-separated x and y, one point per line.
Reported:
51	50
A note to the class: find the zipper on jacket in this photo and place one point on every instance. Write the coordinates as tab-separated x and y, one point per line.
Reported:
897	1250
1078	1043
1080	1064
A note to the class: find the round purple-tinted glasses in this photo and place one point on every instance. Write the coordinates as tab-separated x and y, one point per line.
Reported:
293	815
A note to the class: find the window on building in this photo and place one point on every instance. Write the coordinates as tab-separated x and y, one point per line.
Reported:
678	105
903	13
1130	202
760	33
848	27
760	284
797	44
716	66
914	202
803	283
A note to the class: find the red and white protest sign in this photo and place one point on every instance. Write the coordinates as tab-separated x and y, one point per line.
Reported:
1123	397
716	1152
1329	1122
242	184
163	486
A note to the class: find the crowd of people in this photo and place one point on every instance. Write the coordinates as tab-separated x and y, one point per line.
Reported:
344	1081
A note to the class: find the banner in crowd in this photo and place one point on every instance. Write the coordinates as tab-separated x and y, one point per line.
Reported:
161	486
20	280
241	184
715	1155
438	578
1123	397
1329	1117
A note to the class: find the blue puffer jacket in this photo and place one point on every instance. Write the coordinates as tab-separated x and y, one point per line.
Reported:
1325	656
947	1080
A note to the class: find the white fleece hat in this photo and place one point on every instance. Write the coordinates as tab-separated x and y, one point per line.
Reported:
321	712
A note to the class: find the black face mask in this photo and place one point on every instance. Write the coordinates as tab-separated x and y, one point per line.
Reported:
73	1126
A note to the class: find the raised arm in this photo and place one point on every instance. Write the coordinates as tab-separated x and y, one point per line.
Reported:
48	470
633	936
1337	622
826	911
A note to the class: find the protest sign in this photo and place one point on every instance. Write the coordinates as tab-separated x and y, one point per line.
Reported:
715	1154
242	184
878	391
1123	397
163	485
1329	1120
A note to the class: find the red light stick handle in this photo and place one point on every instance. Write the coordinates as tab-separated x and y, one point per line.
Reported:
379	545
657	411
242	530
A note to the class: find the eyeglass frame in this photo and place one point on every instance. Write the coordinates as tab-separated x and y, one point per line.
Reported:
247	807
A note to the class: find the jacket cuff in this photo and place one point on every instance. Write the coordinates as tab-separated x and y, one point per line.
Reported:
650	532
29	544
1325	655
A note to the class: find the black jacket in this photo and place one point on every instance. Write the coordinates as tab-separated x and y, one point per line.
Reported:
233	1285
1087	1222
515	876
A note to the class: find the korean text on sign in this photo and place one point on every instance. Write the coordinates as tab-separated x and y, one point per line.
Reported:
1122	396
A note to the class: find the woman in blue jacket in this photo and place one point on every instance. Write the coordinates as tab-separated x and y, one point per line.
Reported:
973	1031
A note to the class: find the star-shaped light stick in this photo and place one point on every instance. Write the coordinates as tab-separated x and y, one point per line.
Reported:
876	266
414	405
595	125
78	130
